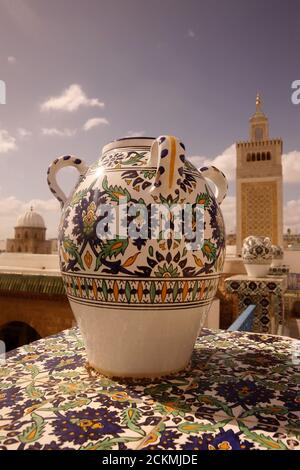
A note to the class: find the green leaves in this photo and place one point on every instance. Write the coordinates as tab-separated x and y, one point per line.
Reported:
203	199
210	400
209	250
71	249
111	248
33	392
193	428
130	418
79	195
152	291
33	369
265	441
134	158
127	291
80	402
268	410
116	193
34	431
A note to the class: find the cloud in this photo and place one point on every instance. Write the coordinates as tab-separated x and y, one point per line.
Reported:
11	59
94	122
52	131
135	134
191	34
7	142
228	208
23	133
71	99
291	166
11	208
291	215
225	162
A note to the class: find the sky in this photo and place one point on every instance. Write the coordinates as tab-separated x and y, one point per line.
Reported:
81	73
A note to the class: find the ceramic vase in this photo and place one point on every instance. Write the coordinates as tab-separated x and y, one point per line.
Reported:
257	255
139	297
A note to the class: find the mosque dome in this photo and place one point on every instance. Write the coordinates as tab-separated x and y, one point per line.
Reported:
31	219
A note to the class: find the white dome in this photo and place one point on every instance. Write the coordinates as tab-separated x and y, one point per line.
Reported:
31	219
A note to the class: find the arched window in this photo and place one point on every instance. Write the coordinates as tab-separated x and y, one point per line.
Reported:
253	157
268	156
258	133
258	156
16	334
263	156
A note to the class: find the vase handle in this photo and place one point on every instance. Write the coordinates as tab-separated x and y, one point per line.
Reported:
168	155
218	178
58	164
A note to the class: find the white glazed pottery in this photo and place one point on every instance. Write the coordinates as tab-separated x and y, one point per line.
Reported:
139	300
257	255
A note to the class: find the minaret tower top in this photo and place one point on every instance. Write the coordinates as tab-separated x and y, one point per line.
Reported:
259	124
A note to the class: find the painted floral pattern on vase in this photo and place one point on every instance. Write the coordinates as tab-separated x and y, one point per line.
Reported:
145	272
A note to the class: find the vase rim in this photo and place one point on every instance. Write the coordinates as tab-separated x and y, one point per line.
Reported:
128	142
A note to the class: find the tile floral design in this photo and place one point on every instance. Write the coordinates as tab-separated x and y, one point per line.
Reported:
265	293
240	392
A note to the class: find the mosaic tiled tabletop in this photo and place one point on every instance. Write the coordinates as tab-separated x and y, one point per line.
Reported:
241	392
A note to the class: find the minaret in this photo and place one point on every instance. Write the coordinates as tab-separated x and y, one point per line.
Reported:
259	182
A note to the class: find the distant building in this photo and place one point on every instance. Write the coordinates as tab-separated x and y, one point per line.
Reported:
291	240
54	245
259	183
30	235
231	239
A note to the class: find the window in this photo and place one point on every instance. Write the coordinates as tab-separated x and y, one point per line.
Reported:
258	157
263	156
248	157
26	235
253	157
268	156
258	133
